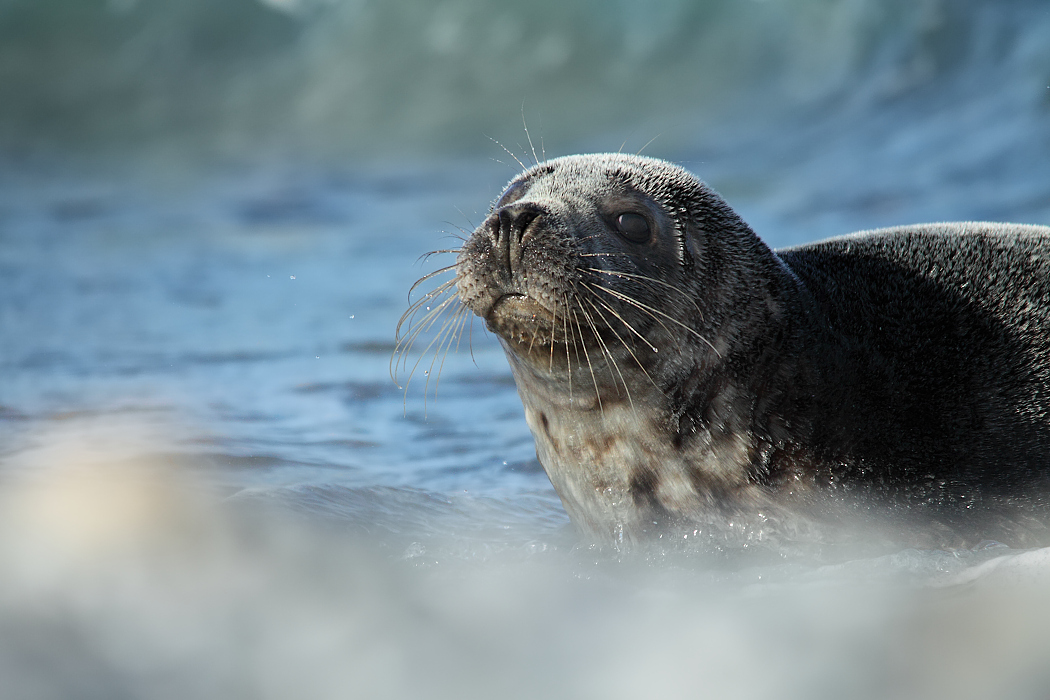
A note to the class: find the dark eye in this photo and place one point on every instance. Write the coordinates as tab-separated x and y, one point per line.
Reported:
633	227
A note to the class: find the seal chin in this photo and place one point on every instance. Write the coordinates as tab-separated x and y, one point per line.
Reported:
520	319
516	305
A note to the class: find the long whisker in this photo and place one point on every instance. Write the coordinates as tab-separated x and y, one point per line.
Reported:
630	300
449	333
404	346
426	256
535	335
565	331
639	151
463	234
438	340
509	153
464	215
647	278
615	313
622	341
526	127
470	340
418	326
590	238
446	332
656	312
605	349
590	365
435	273
404	343
554	326
429	297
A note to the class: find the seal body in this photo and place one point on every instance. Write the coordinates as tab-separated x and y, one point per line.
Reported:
678	375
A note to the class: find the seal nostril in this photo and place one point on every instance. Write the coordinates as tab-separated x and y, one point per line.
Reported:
515	220
493	224
524	221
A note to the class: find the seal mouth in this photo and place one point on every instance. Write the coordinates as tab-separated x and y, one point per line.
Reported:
520	318
519	307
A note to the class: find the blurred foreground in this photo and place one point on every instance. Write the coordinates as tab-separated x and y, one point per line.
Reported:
126	579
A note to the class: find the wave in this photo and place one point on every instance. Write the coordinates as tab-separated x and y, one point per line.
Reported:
358	76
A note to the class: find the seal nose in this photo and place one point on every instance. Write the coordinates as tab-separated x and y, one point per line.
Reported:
508	230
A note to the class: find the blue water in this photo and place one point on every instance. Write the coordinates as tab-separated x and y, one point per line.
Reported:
211	214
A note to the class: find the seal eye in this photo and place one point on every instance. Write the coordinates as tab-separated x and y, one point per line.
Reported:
633	227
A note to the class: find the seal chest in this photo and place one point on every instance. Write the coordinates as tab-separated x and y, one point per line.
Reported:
677	373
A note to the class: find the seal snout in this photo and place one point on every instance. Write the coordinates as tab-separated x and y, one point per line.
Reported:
508	228
492	265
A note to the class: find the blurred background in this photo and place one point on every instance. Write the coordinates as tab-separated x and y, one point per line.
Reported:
882	108
211	212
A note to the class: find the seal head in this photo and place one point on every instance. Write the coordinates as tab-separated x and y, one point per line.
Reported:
679	375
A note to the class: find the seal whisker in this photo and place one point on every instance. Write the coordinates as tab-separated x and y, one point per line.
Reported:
568	361
536	336
554	325
470	340
596	287
654	312
605	349
432	275
622	341
532	342
446	333
524	125
462	235
431	296
404	345
631	328
509	153
463	315
402	355
590	365
411	373
464	215
444	339
647	144
451	332
426	256
646	278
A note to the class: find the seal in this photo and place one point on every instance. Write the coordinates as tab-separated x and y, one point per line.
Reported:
679	376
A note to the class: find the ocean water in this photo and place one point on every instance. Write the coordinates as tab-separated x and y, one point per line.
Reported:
211	214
